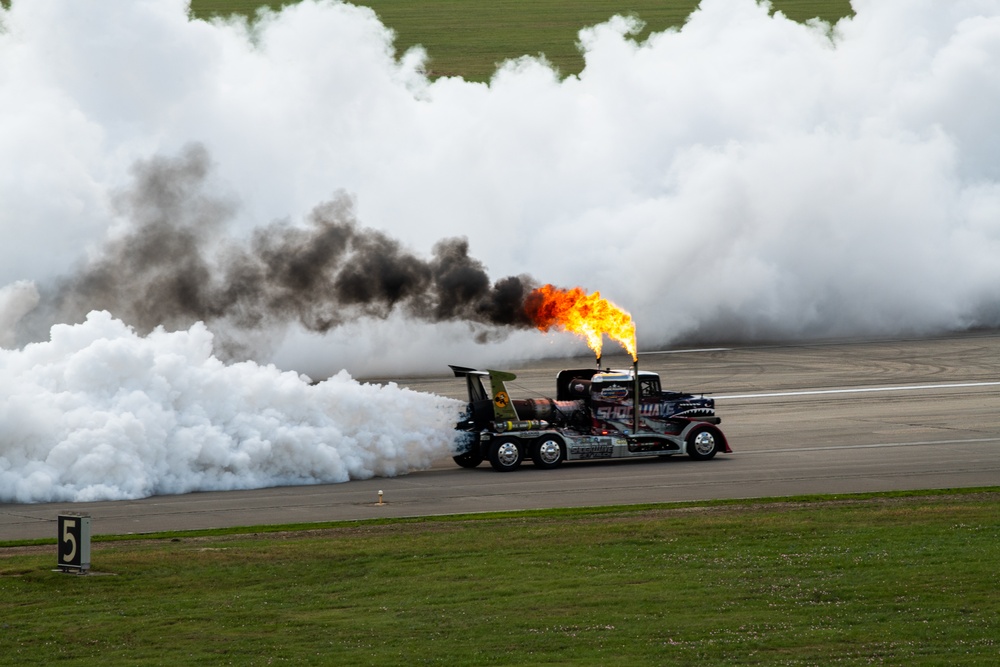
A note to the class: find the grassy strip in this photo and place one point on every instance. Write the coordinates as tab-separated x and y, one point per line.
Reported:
890	580
547	513
469	37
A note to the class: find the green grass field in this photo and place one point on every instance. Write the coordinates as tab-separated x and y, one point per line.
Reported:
884	580
469	37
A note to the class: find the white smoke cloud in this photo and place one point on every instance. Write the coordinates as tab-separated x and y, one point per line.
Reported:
100	413
744	177
16	300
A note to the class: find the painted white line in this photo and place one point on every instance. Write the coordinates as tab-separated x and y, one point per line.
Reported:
923	443
861	390
704	349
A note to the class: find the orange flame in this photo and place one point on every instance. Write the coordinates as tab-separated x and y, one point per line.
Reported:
587	315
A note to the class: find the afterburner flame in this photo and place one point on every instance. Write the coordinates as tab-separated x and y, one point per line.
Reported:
587	315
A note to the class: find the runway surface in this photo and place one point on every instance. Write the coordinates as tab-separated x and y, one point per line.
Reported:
805	419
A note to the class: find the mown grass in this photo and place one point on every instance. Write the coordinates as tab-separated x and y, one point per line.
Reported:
469	37
883	580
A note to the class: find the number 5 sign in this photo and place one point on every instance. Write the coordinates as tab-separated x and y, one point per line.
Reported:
74	542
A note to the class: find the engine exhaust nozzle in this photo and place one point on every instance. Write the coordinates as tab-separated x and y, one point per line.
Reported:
635	396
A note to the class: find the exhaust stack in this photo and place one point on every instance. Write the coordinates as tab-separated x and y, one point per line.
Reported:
635	396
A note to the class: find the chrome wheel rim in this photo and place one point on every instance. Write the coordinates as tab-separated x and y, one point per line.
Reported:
704	443
549	452
507	454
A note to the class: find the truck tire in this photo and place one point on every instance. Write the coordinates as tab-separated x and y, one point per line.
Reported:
702	443
548	452
469	459
506	455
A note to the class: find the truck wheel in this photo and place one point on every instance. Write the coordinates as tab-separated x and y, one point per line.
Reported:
505	455
469	459
702	443
548	453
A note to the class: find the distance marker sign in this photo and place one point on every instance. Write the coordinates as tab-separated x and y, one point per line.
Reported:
74	542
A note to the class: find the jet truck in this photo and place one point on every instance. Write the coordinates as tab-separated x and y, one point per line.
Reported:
596	414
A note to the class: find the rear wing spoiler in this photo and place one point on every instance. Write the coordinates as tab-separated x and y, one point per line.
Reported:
503	407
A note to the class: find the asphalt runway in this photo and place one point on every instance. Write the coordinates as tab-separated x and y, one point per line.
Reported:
803	419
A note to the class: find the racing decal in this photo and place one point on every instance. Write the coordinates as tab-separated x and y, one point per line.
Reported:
590	448
606	412
643	445
501	400
613	393
696	412
613	412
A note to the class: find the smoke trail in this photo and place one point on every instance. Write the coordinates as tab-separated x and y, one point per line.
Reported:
176	264
100	413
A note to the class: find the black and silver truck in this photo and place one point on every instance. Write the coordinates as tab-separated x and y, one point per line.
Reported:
596	414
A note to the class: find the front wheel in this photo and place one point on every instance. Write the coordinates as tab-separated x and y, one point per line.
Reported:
505	455
548	453
702	443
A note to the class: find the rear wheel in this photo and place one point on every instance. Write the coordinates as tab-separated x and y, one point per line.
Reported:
702	443
548	453
469	459
505	455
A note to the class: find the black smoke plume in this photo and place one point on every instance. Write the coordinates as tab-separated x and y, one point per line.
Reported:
175	264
